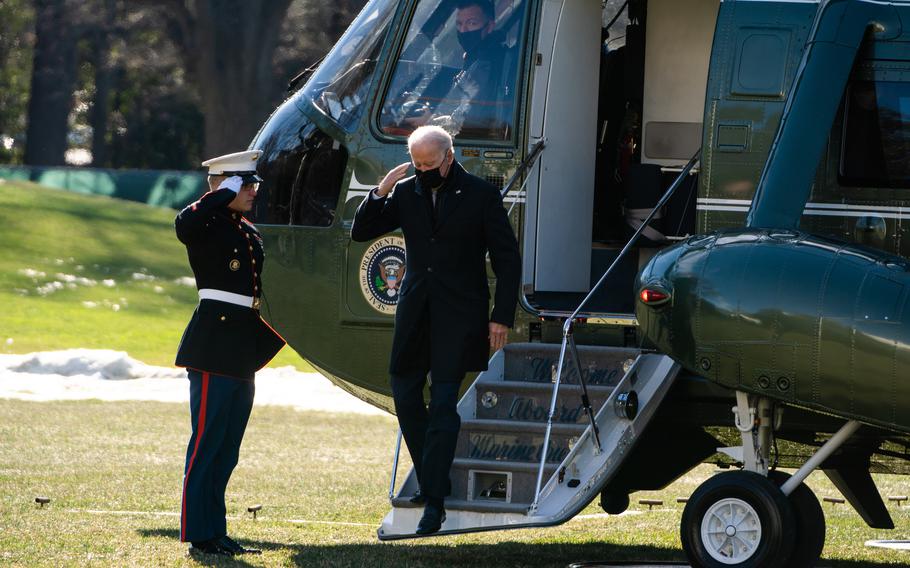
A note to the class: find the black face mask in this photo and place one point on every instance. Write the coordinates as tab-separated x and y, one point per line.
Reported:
470	40
430	178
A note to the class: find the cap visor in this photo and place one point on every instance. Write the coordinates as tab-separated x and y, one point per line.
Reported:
251	178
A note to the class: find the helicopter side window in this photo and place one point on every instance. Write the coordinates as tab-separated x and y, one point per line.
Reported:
458	70
876	135
339	87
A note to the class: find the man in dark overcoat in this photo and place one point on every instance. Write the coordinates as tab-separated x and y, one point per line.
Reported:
443	325
224	344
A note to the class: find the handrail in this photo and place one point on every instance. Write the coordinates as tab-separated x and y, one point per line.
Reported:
663	201
525	165
395	465
568	339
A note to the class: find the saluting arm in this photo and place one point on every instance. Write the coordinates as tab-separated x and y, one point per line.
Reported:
375	217
378	213
190	222
504	258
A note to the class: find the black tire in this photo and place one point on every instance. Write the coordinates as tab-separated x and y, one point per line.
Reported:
770	510
809	522
614	503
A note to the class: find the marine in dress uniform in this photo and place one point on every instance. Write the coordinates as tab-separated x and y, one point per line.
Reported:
443	324
224	344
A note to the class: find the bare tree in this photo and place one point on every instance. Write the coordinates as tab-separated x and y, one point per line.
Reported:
53	82
101	59
227	47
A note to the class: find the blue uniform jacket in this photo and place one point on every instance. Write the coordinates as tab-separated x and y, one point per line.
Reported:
225	253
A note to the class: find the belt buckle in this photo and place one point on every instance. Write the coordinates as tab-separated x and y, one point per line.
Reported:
256	303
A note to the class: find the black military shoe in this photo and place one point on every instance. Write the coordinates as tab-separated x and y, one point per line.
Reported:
418	498
433	517
213	546
235	547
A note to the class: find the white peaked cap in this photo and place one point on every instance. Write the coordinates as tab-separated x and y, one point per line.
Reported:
238	163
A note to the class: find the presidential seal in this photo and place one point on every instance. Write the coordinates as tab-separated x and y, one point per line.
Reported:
381	272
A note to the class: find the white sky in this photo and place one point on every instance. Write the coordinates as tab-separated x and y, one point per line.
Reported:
79	374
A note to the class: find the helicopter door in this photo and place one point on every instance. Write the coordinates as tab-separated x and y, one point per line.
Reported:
564	112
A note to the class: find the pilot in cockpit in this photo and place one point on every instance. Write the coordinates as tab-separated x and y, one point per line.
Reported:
477	81
476	95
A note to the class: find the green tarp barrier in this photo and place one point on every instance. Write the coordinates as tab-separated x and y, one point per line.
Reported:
161	188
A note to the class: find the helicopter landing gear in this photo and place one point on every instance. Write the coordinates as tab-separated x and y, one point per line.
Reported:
758	516
737	518
809	522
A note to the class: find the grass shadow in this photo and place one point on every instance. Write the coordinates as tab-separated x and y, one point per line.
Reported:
446	553
204	560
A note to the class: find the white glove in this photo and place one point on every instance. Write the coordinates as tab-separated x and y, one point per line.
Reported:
233	183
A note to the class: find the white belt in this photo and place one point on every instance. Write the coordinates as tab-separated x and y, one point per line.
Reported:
229	297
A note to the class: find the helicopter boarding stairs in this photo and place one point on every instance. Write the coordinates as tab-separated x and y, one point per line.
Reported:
508	445
498	478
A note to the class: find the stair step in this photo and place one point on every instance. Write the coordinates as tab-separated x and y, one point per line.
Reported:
510	482
510	440
536	363
530	402
463	505
525	467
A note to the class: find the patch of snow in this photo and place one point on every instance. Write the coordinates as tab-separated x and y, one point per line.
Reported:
142	276
186	281
73	279
158	289
80	374
108	283
49	288
88	304
31	273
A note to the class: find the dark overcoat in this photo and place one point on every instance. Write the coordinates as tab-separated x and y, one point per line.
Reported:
443	314
225	253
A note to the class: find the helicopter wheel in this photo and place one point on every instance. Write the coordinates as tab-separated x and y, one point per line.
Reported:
809	523
738	518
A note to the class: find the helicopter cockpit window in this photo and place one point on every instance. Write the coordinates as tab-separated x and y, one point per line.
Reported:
339	87
876	135
458	69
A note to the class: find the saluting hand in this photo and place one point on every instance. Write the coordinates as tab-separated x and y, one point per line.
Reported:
391	178
499	336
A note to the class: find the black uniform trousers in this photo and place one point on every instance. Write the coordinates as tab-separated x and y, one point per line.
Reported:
431	435
220	408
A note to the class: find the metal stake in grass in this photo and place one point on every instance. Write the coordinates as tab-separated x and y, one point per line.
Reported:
42	501
898	498
650	502
833	500
254	509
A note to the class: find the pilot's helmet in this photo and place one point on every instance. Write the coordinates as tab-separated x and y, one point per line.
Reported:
241	164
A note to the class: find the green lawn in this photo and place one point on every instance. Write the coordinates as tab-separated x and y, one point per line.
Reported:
93	272
113	472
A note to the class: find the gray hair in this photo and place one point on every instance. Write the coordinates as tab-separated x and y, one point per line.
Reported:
434	134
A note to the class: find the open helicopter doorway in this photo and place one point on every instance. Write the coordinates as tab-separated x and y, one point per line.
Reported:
621	112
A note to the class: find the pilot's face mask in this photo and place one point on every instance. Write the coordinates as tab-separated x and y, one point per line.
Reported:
470	40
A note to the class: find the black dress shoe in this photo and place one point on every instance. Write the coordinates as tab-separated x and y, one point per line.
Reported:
235	547
433	517
418	498
213	546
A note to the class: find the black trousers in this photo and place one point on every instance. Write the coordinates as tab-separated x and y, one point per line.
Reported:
430	434
219	408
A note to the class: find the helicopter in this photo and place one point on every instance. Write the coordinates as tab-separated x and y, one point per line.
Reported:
709	198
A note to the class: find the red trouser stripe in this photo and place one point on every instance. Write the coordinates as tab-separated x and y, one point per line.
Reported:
200	427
